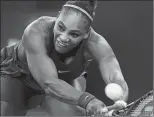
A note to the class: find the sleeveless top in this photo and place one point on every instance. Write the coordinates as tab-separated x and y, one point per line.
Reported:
12	65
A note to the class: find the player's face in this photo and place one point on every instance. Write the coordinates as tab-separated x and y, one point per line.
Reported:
69	31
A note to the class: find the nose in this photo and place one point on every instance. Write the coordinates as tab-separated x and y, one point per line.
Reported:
64	38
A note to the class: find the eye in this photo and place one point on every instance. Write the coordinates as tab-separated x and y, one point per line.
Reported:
61	27
75	35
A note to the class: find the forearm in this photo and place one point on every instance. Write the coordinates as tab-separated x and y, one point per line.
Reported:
59	89
46	75
78	83
62	91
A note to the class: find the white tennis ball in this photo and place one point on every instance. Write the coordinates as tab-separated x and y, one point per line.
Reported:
113	91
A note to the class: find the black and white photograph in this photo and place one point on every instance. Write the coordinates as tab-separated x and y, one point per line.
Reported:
76	58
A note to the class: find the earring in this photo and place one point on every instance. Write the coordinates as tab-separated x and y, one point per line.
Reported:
86	36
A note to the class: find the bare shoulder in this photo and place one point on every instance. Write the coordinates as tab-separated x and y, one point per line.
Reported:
96	38
97	45
37	32
41	23
47	19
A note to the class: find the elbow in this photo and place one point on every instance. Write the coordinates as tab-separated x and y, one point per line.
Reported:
125	87
125	90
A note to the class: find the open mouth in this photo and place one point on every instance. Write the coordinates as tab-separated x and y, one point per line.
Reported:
60	44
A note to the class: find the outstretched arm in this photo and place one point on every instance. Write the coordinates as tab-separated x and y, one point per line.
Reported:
44	71
107	62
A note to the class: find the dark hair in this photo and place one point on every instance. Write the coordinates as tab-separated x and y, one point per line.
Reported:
88	5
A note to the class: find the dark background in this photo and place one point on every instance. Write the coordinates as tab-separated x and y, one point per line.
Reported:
126	25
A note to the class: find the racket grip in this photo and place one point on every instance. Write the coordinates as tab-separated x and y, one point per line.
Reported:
114	106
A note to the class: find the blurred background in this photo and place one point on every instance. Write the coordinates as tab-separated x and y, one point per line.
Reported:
126	25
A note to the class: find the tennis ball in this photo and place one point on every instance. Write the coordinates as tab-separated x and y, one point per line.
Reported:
113	91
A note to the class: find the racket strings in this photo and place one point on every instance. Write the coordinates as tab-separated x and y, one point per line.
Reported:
144	108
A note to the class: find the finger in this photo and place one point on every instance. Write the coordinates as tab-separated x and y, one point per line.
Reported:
104	110
110	113
115	106
101	112
122	103
90	112
106	114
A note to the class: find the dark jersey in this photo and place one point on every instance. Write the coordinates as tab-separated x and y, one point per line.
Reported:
13	59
